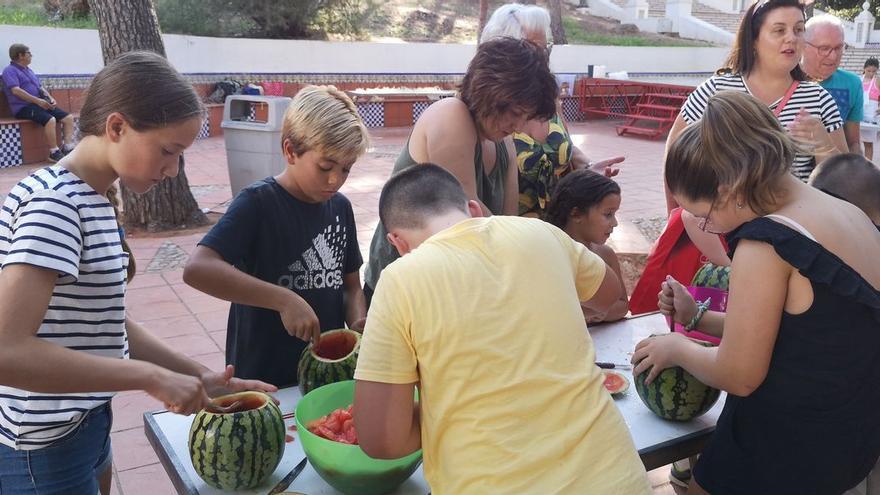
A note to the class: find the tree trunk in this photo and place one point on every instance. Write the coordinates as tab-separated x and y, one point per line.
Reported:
123	26
484	14
555	8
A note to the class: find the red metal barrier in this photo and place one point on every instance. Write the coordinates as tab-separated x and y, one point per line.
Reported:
650	109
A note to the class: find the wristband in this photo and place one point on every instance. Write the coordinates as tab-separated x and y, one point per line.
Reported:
702	307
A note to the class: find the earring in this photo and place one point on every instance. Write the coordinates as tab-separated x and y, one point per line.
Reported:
740	206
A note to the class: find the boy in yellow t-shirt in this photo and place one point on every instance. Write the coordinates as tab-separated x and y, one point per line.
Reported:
484	315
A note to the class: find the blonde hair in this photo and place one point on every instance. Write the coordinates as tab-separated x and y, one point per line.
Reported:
324	119
515	20
739	144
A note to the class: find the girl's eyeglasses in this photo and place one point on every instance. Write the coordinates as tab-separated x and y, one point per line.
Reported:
704	222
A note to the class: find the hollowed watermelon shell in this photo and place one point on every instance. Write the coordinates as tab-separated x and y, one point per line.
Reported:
615	383
238	450
335	360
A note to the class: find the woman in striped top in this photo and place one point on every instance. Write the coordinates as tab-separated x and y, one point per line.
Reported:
65	343
763	62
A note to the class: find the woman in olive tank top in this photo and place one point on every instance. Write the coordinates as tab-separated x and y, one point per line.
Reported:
507	83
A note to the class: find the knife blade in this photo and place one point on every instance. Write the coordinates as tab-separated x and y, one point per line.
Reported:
611	366
287	480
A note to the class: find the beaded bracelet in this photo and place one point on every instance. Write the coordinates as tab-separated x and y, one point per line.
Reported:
702	307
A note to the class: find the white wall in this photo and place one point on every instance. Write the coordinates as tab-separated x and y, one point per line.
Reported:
77	51
692	27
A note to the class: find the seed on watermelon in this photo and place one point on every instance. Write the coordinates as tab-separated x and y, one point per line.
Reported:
238	450
332	360
676	394
615	382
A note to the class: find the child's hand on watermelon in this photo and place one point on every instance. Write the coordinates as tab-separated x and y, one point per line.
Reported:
222	383
657	353
674	299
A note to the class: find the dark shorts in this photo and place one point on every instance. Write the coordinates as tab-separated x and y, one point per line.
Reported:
40	116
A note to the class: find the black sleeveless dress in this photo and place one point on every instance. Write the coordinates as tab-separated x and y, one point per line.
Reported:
813	425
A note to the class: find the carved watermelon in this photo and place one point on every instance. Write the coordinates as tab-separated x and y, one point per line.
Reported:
333	361
240	449
676	394
615	383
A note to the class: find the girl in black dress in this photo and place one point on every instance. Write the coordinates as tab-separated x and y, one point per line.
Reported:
800	357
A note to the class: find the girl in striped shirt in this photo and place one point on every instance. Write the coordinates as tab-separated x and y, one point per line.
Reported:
65	343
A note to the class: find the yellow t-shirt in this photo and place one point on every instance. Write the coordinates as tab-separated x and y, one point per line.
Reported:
486	316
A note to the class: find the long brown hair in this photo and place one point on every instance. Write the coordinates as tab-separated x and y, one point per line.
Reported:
113	198
144	88
739	144
742	57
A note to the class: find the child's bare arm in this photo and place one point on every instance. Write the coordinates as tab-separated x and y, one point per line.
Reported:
708	243
147	347
208	272
740	363
619	308
355	304
607	294
387	419
31	363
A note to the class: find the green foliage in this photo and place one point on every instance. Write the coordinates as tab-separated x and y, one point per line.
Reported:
577	35
264	18
846	9
34	15
200	18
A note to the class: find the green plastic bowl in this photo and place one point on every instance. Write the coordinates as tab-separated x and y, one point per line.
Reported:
346	467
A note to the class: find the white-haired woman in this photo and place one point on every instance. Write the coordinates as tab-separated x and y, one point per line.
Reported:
545	152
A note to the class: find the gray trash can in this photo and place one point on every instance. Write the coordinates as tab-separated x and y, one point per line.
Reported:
252	133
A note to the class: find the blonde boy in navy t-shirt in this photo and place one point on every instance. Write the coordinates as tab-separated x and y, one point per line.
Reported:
286	252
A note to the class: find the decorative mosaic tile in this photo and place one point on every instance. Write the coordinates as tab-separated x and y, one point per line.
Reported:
205	131
571	110
417	108
372	113
10	146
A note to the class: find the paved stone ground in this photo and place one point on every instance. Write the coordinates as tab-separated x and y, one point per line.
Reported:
195	323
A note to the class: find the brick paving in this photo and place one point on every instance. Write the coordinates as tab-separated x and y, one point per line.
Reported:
195	323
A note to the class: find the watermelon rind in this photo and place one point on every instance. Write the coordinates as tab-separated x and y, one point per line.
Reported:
712	276
624	381
675	394
240	450
314	372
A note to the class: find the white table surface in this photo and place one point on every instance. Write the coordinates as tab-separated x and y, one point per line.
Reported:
168	432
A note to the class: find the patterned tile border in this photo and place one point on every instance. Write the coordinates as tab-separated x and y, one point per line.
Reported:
11	154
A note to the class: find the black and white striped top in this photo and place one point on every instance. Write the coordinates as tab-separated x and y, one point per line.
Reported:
54	220
808	95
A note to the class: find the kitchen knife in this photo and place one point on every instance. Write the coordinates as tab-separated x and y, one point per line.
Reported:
284	483
611	366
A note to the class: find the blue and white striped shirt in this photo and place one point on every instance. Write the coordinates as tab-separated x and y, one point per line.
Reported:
808	95
54	220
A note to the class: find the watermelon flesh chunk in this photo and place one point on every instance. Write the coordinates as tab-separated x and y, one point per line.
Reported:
338	426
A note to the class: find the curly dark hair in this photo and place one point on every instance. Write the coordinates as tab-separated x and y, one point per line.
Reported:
581	190
508	74
872	62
